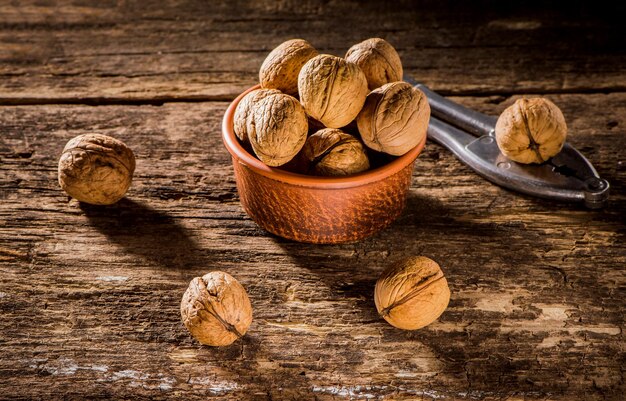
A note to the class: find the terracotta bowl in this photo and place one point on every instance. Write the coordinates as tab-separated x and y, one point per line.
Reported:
323	210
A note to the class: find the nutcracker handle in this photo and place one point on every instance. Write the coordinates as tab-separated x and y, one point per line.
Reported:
468	120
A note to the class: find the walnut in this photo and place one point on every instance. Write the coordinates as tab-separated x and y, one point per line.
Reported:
394	118
278	129
332	90
96	169
245	111
378	60
281	67
216	309
412	294
332	152
531	130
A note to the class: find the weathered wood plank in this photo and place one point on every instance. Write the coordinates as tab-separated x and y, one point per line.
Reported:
107	52
89	296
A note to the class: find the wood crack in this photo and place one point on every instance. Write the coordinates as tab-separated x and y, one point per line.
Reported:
161	100
532	91
114	101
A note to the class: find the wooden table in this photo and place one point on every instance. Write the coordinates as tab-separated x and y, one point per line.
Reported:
89	296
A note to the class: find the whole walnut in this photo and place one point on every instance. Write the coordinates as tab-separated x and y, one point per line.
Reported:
96	169
245	112
412	294
394	118
278	129
379	61
332	90
281	67
531	130
332	152
216	309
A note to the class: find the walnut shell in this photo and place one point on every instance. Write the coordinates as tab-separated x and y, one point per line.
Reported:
531	130
394	118
332	152
281	67
412	294
332	90
96	169
216	309
245	111
379	61
278	129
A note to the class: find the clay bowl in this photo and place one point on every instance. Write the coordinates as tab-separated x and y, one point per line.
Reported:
322	210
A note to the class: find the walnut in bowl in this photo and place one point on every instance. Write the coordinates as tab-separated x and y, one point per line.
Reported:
332	152
318	209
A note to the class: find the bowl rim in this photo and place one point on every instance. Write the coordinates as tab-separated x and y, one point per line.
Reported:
238	152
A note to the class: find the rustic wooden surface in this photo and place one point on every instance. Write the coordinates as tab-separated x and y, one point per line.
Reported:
89	296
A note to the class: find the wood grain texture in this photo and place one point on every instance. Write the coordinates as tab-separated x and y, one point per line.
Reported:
150	51
89	296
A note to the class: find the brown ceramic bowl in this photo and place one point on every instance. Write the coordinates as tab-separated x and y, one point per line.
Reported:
323	210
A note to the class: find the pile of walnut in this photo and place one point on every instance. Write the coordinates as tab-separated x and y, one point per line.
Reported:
324	115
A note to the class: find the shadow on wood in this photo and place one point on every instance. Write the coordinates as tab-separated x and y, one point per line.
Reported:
144	231
446	234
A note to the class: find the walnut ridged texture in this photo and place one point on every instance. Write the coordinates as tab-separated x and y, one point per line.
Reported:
332	90
412	294
96	169
216	309
245	112
379	61
394	118
278	129
332	152
281	67
531	130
